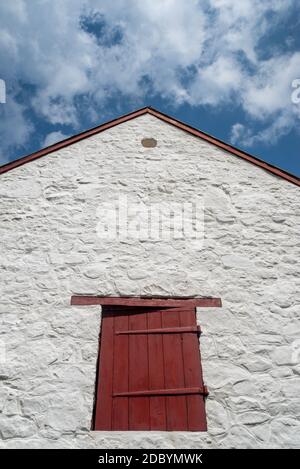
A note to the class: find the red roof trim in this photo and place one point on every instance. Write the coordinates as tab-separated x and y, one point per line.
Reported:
170	120
82	300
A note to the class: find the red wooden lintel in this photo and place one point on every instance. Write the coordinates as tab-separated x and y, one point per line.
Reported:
165	330
146	302
163	392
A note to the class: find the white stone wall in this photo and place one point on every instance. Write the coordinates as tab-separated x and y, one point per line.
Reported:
50	250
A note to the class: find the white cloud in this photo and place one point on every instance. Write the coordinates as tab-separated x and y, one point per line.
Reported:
54	137
268	98
270	90
217	82
238	132
215	42
14	127
269	135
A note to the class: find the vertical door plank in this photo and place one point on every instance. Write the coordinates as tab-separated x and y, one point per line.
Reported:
193	373
139	416
121	373
103	415
158	419
174	374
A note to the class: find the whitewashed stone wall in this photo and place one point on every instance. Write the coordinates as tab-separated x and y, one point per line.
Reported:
50	250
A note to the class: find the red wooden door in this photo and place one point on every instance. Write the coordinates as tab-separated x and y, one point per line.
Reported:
150	375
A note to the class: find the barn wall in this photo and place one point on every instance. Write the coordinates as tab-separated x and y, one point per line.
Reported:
50	250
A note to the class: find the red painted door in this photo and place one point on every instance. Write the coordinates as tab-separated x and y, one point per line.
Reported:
149	375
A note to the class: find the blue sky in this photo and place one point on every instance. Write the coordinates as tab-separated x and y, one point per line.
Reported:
223	66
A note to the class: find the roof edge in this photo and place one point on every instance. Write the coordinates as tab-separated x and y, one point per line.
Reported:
164	117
